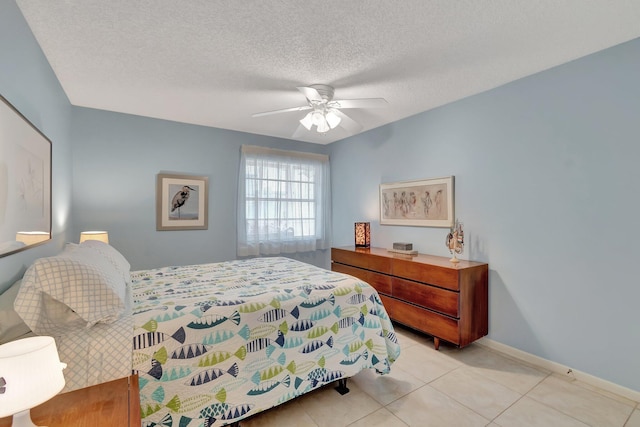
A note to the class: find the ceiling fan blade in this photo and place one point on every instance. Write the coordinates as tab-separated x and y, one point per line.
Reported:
285	110
312	94
300	131
348	123
359	103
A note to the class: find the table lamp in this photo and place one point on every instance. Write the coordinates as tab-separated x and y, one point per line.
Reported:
102	236
362	234
30	374
32	237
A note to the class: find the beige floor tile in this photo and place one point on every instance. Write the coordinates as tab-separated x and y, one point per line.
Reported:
634	420
585	405
606	393
380	418
528	413
466	354
408	337
427	407
290	414
328	408
386	388
425	363
504	370
486	397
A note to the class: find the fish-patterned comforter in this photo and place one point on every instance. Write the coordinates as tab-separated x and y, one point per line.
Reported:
216	343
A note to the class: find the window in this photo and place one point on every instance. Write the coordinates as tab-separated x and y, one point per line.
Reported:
283	202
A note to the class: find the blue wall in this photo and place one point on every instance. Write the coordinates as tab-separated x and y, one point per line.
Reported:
547	179
116	158
27	82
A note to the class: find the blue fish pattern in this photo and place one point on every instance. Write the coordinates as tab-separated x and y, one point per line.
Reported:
227	340
189	351
316	344
262	343
150	339
317	301
210	321
273	315
302	325
212	374
357	299
267	386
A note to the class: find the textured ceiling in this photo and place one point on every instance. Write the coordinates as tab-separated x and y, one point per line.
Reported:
215	63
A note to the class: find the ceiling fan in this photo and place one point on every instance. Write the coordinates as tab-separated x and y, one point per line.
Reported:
325	111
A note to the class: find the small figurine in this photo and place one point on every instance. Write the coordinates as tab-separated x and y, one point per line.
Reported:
455	241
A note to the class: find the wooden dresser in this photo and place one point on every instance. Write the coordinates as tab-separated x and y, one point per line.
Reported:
428	293
114	403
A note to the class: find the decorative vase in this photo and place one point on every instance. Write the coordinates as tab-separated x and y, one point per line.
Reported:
455	241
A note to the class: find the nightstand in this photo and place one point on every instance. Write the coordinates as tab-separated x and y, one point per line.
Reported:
115	403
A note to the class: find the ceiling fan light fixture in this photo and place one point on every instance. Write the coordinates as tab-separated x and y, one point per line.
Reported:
324	112
323	126
332	119
306	121
317	117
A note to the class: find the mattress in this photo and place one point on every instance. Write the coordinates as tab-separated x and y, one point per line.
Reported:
216	343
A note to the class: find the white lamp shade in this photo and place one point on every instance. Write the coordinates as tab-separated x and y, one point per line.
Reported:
332	118
317	117
323	119
32	237
30	374
102	236
306	121
323	126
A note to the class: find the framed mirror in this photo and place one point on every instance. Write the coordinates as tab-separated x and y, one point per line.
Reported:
25	182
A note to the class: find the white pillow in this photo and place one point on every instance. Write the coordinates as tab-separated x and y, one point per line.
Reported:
81	279
101	259
111	254
11	324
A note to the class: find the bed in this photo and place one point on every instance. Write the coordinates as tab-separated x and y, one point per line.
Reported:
212	343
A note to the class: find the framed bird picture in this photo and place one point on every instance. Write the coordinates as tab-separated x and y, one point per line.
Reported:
181	202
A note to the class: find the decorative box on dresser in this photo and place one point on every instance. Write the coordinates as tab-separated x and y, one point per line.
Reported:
428	293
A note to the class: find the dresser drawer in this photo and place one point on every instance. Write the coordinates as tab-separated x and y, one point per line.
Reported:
364	260
432	274
422	319
380	282
431	297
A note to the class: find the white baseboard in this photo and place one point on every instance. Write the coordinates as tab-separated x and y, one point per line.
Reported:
560	369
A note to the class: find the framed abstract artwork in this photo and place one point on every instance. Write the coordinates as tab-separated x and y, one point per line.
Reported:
424	203
182	202
25	182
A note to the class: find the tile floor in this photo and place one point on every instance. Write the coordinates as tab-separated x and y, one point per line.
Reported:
474	386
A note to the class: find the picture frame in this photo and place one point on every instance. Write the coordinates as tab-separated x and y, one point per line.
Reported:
421	203
25	182
182	202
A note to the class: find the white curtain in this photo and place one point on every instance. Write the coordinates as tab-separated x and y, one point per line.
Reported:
284	202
